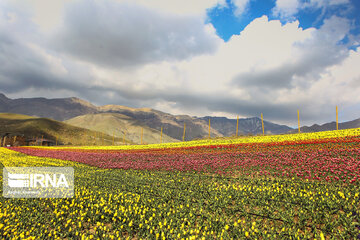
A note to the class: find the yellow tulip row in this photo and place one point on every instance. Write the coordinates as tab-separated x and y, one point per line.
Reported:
249	139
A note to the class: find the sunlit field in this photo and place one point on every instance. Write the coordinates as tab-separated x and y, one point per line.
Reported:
299	186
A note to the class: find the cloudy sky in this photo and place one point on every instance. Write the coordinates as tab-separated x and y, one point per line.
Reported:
203	57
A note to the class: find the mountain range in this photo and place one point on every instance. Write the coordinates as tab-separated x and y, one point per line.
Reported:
58	109
329	126
125	121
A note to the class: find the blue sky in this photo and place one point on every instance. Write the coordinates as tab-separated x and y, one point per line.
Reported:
200	58
227	23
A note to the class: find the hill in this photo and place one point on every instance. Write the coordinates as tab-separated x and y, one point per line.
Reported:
31	127
173	125
119	125
329	126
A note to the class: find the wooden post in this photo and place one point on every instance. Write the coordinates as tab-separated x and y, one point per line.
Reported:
161	135
298	120
262	124
209	128
237	125
142	135
113	138
42	139
14	140
56	141
337	119
4	142
184	132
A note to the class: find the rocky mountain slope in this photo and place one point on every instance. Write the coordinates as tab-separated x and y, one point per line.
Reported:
121	126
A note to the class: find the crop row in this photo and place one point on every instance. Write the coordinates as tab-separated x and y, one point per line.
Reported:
347	133
326	160
117	203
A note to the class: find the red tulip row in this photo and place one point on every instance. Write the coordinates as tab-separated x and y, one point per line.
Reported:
325	159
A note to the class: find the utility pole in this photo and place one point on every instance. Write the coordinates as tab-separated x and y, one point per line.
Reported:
184	132
337	118
262	123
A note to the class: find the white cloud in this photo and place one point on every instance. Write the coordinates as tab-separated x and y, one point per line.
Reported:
48	14
342	81
324	3
338	2
288	8
241	6
127	35
179	7
45	14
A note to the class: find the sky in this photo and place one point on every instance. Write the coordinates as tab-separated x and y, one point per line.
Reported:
200	58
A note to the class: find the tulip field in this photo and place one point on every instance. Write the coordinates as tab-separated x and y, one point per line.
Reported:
299	186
